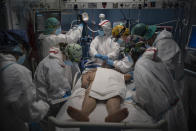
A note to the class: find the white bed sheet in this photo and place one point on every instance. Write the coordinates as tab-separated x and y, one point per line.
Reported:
136	114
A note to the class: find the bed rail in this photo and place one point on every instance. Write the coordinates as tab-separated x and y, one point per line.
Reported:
161	125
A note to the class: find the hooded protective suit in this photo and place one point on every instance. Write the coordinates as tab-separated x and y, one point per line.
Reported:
53	77
155	92
104	45
168	50
18	96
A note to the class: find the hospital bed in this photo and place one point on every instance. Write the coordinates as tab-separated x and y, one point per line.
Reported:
138	119
87	126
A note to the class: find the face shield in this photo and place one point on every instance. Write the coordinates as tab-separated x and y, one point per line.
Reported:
120	33
107	31
100	31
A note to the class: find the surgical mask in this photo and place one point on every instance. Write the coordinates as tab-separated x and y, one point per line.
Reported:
101	32
21	59
58	31
68	62
18	50
120	41
107	31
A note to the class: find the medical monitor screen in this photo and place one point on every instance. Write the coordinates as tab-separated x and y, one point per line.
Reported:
42	16
192	39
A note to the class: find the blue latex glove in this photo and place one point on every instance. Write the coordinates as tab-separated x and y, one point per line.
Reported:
104	57
98	56
110	62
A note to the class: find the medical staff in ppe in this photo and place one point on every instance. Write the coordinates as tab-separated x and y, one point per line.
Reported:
54	74
168	49
103	46
155	92
120	33
52	36
126	62
19	104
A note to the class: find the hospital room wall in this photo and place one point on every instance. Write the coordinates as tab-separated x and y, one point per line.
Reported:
148	16
15	14
193	18
192	85
190	81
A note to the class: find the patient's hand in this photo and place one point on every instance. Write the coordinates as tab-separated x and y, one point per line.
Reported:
88	77
104	65
127	77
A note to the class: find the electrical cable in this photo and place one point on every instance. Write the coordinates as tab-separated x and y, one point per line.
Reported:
171	21
92	30
73	22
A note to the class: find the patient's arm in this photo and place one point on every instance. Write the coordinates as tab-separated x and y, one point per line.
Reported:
88	78
88	104
127	77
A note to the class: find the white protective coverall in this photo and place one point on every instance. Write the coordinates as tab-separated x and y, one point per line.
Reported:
155	92
169	52
53	77
104	45
18	96
52	40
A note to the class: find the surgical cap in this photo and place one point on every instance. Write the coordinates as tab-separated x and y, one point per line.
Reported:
117	31
51	24
8	43
105	24
74	52
145	31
